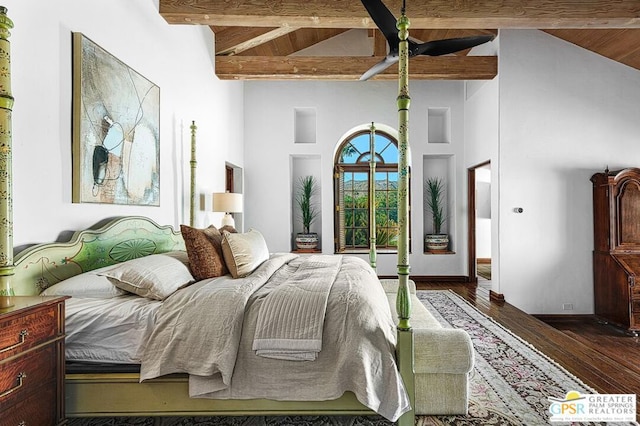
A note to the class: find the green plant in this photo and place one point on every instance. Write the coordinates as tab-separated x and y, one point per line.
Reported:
306	189
434	195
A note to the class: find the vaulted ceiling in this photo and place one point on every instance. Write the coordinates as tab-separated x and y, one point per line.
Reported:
273	39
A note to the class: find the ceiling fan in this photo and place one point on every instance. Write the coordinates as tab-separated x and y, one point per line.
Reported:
386	22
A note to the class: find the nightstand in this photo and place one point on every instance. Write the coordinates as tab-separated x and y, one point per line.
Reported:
32	361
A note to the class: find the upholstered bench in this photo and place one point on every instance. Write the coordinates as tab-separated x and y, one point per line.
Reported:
444	359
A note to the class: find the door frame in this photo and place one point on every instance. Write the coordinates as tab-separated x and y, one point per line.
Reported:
471	222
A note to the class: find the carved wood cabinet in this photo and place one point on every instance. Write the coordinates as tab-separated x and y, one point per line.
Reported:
616	254
32	361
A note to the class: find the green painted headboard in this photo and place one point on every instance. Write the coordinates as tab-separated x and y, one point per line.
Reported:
113	241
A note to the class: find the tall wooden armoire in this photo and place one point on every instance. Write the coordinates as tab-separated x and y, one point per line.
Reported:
616	254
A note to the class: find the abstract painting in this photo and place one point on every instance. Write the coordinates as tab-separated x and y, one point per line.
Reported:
116	130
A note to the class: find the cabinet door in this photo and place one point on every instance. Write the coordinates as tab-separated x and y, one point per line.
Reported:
628	215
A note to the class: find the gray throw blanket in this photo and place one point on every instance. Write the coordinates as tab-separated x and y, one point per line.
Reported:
291	318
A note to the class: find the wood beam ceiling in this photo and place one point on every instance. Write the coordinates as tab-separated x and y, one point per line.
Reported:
236	40
253	39
351	68
422	13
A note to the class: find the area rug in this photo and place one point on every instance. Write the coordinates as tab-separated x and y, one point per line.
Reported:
510	385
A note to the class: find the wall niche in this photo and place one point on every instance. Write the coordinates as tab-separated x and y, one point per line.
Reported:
304	122
301	166
439	125
440	166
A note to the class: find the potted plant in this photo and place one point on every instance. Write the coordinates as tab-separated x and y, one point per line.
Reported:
434	196
306	189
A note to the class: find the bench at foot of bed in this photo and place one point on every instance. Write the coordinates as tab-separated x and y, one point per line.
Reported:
444	359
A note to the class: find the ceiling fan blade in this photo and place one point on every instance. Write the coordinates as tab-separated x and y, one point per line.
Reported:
379	67
444	47
384	20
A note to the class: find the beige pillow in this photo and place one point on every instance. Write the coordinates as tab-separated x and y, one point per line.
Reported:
156	276
243	253
204	248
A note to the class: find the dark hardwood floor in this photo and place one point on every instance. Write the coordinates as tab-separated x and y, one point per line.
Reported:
601	355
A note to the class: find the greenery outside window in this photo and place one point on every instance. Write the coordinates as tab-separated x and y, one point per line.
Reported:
352	189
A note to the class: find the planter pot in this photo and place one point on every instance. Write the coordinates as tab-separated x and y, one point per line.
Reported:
307	241
436	242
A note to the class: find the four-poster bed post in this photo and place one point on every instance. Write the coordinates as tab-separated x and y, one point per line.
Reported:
372	198
403	301
193	163
7	267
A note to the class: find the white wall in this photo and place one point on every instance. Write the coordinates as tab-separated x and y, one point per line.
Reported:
565	114
482	144
179	59
341	106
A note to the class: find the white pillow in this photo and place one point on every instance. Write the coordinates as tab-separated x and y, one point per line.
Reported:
156	276
88	284
243	253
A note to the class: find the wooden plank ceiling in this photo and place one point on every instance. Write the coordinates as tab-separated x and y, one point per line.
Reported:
264	39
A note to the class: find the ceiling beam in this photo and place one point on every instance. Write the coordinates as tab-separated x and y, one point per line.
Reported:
235	40
379	43
293	42
422	13
351	68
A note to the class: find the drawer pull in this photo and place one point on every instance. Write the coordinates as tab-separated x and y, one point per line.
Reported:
23	337
19	379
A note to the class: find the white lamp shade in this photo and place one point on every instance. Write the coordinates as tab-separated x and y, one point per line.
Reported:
227	202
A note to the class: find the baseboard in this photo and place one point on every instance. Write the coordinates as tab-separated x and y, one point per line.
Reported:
484	260
551	318
496	297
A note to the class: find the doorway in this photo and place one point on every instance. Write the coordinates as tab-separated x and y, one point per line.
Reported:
233	182
479	219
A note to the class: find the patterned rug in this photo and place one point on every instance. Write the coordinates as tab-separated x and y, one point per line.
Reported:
510	385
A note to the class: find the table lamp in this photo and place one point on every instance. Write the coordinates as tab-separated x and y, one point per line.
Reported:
227	202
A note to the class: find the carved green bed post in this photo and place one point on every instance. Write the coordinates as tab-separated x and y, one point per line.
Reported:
372	198
403	301
193	163
6	209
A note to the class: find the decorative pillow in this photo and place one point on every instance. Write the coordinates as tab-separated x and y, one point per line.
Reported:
228	228
156	276
88	284
244	252
204	248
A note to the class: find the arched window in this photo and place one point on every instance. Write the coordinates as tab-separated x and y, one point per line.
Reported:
352	191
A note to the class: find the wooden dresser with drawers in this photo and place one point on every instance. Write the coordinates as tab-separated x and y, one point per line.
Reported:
32	361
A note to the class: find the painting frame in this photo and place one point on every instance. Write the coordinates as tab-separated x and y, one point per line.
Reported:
115	130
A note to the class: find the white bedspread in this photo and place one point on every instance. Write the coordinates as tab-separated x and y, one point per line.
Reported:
207	331
108	330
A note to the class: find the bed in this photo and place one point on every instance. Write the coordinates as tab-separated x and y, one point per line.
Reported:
117	389
52	269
